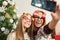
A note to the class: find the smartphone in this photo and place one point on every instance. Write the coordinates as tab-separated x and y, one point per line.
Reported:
44	4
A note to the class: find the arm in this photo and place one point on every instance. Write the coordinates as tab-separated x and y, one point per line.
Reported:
55	18
52	24
50	27
47	30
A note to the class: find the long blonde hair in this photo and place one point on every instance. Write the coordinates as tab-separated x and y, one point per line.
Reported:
19	29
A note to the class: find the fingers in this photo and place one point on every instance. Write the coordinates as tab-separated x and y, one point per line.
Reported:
52	14
57	8
55	16
54	0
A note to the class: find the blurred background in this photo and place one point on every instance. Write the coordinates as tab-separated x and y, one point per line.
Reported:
25	6
11	10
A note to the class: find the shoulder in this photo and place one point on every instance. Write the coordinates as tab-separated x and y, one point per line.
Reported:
26	36
11	36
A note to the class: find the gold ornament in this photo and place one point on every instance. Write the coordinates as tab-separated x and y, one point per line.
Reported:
7	15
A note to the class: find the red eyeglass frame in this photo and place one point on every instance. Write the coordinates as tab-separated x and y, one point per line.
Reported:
35	15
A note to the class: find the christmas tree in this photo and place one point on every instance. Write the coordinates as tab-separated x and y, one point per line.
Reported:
8	18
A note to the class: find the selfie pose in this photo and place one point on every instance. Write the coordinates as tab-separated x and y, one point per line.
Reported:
41	31
22	30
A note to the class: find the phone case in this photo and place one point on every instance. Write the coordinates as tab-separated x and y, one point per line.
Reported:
44	4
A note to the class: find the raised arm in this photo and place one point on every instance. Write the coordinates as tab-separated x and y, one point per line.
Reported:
55	18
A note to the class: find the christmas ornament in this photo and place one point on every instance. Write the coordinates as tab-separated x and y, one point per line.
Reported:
12	3
14	10
8	1
8	18
16	22
11	20
2	18
14	16
3	29
6	31
2	9
5	3
14	26
7	15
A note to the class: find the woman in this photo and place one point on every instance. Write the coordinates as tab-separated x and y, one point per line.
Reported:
40	30
22	30
39	25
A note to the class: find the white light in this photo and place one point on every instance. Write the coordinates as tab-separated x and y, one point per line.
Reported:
5	3
3	29
14	26
39	5
11	20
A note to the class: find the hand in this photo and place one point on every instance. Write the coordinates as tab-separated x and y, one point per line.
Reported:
58	11
55	18
56	15
54	0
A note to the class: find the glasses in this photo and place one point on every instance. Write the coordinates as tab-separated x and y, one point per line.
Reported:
39	17
26	18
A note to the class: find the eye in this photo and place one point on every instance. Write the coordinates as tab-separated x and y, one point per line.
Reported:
24	17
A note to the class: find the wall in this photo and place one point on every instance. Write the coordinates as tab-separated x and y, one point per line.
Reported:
25	6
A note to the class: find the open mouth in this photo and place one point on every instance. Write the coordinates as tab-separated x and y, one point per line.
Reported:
27	23
38	22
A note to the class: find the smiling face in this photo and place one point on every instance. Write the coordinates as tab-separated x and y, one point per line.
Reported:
26	21
39	20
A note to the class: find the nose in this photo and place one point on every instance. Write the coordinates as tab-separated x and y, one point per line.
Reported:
28	20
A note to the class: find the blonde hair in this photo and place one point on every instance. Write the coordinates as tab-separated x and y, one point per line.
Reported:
19	30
